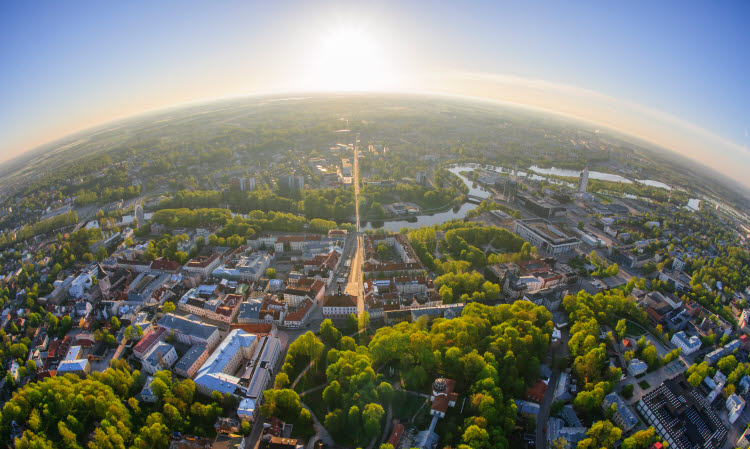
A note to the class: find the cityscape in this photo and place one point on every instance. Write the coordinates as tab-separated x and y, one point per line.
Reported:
356	267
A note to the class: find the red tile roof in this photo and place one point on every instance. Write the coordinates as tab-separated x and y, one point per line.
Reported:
440	404
343	300
165	265
536	392
148	340
301	311
398	431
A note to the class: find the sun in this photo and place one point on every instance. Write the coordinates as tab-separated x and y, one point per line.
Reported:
348	59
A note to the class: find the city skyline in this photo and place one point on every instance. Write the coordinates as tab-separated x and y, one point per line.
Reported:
669	75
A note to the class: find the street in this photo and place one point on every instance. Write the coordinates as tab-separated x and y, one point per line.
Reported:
560	349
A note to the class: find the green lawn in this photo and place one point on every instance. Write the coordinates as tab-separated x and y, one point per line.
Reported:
644	385
406	405
315	401
634	329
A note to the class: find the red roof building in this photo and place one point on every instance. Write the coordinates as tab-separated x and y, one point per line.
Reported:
398	432
442	396
536	392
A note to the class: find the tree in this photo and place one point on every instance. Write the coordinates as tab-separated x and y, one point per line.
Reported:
332	394
284	404
101	253
476	437
695	379
650	356
353	419
640	440
168	307
271	273
371	417
385	393
627	391
281	381
601	434
329	334
620	328
559	443
31	366
115	323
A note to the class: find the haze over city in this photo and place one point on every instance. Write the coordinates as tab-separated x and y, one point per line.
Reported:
671	73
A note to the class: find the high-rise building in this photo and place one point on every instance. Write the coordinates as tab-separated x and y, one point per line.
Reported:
510	189
244	184
293	182
583	183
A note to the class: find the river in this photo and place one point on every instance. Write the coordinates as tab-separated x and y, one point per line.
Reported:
440	217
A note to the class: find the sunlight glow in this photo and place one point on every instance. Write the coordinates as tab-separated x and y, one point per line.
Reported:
348	59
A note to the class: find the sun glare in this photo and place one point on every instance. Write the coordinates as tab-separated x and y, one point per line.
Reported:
348	58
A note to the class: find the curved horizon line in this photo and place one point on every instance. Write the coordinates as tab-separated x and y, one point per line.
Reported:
534	84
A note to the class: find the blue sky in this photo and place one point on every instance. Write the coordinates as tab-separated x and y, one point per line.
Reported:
70	65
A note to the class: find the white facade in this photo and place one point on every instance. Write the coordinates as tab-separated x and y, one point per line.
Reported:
637	367
688	345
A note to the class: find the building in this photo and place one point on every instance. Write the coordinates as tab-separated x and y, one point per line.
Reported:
688	345
207	301
292	182
242	365
682	416
556	428
526	408
299	317
190	330
204	265
743	441
191	361
147	394
161	356
547	237
714	356
247	268
583	181
80	367
243	184
442	396
340	305
624	418
541	207
637	367
145	285
735	405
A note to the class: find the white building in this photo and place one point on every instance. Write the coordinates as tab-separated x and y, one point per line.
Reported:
78	287
688	345
340	305
80	367
547	237
243	366
637	367
735	405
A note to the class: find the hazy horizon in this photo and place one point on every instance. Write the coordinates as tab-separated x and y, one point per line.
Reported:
665	74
